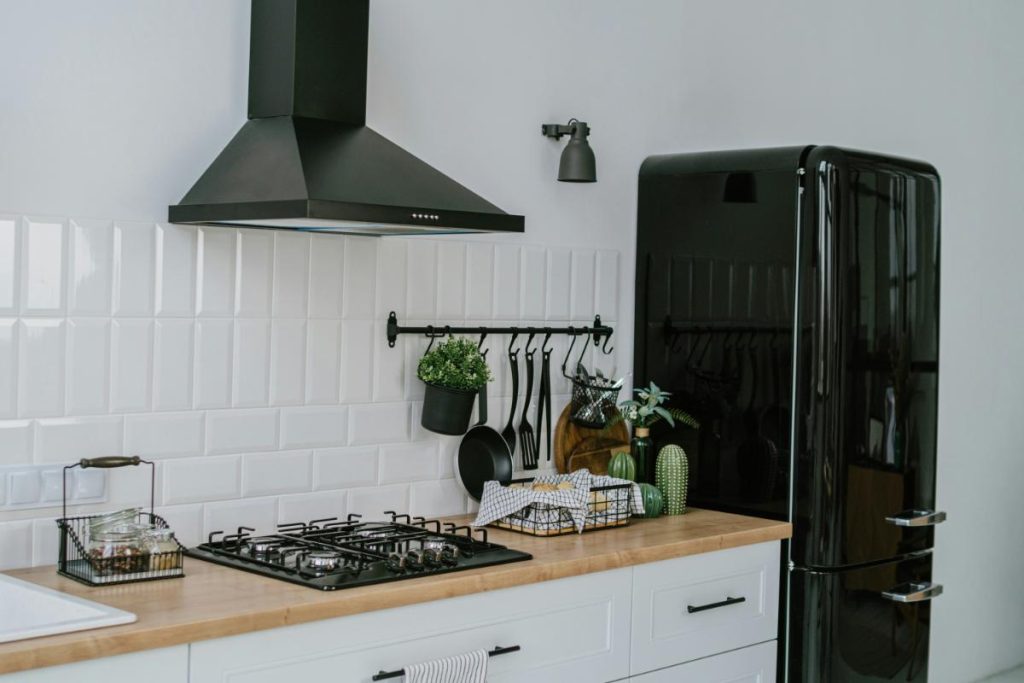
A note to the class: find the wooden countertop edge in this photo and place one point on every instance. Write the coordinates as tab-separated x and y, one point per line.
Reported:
107	642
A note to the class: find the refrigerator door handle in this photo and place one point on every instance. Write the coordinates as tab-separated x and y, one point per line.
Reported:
917	518
913	592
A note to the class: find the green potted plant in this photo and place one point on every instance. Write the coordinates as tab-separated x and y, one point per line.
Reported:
641	413
454	372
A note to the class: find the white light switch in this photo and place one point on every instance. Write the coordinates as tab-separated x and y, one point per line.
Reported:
53	491
90	483
24	487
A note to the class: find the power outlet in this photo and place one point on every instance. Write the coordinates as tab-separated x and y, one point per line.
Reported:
36	486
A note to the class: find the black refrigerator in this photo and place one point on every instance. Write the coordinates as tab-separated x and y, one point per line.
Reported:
789	299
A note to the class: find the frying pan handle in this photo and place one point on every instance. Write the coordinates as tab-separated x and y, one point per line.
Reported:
482	395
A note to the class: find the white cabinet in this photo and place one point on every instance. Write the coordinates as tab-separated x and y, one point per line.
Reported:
569	630
167	665
693	607
754	664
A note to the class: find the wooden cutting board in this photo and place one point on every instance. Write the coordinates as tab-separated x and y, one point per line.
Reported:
570	439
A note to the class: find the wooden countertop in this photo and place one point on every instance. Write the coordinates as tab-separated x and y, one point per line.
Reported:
214	601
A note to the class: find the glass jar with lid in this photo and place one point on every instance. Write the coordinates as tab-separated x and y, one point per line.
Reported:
164	552
117	549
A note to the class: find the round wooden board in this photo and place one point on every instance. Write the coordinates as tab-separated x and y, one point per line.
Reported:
570	437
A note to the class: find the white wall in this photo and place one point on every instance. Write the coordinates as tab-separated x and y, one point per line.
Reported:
109	110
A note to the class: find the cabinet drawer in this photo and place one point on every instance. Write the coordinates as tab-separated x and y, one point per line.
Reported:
569	629
696	606
754	664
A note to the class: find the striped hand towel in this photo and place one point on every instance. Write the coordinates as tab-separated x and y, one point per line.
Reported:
470	667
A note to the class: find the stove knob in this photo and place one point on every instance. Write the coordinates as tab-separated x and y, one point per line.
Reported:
449	557
431	558
396	563
414	560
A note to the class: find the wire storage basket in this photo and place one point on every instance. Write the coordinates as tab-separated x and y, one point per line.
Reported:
122	547
608	506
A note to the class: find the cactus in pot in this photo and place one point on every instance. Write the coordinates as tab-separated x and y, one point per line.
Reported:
671	478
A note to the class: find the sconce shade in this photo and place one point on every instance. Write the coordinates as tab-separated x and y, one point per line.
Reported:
577	164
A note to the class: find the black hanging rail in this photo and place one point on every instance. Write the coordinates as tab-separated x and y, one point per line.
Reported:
383	675
597	331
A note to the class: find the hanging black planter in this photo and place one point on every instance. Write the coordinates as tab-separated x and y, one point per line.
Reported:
447	411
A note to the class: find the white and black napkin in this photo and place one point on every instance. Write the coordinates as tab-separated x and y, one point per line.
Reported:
469	667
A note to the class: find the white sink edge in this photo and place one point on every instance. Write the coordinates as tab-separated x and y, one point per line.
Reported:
109	616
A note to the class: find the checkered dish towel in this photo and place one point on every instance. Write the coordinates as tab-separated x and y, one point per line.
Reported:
500	501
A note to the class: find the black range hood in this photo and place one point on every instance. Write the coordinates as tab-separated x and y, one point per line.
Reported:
305	159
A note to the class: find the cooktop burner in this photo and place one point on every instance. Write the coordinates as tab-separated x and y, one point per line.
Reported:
329	554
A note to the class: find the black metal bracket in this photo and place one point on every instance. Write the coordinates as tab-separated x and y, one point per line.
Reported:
382	675
597	331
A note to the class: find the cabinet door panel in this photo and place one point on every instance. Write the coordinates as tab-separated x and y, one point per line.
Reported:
693	607
166	665
570	629
755	664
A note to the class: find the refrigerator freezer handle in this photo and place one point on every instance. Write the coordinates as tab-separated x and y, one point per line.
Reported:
917	518
913	592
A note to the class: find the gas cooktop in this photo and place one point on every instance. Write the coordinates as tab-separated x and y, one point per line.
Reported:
329	554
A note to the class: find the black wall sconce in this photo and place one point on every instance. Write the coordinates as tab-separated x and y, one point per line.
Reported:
577	164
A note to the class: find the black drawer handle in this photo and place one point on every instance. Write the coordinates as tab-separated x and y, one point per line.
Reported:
381	675
713	605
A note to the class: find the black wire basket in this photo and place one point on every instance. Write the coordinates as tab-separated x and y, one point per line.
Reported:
609	506
79	561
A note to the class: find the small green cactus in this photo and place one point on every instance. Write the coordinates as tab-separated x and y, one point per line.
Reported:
671	476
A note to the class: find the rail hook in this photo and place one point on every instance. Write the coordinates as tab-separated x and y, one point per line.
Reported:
511	342
604	347
547	337
431	336
565	361
479	346
529	340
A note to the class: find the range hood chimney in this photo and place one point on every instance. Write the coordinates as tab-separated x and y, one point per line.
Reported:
305	160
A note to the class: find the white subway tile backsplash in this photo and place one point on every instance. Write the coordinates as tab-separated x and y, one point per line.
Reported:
270	349
43	243
239	431
558	284
314	426
287	362
451	280
323	361
88	369
90	287
378	423
291	274
40	367
213	365
215	285
534	283
408	462
255	273
192	480
437	498
583	284
309	506
165	435
16	542
257	513
326	268
9	261
176	247
479	281
16	438
131	365
392	264
173	352
265	474
134	268
607	276
506	273
374	501
360	278
251	372
421	281
342	468
8	368
70	439
357	348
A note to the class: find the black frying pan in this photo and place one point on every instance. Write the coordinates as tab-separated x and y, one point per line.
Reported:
483	454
